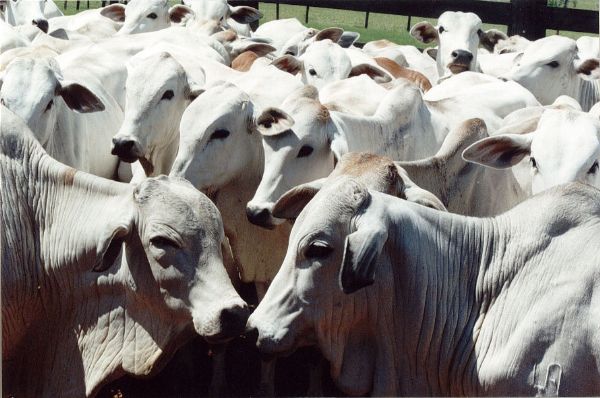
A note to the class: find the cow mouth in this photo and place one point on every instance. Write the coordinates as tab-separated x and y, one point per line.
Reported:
457	68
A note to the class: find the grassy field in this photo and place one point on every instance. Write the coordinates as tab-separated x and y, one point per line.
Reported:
381	26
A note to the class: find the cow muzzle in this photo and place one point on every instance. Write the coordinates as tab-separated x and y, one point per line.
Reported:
460	61
42	24
260	216
231	323
126	149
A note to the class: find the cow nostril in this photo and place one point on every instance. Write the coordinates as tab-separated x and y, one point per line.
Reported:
233	320
454	54
124	149
258	216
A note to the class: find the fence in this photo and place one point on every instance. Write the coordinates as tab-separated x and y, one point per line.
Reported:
528	18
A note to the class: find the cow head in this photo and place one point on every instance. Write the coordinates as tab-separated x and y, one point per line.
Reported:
25	12
317	296
221	13
564	147
35	90
551	67
325	61
297	143
151	15
458	36
158	90
218	141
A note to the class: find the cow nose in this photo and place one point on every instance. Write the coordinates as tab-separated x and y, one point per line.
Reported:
462	56
124	149
233	320
42	24
259	216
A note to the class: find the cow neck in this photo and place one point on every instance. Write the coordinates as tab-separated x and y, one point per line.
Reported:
439	264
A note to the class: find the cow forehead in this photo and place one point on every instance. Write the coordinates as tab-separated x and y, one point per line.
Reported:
462	20
175	202
210	9
569	135
29	81
137	6
153	73
549	48
333	206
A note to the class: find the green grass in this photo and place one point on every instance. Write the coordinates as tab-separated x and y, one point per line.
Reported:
381	26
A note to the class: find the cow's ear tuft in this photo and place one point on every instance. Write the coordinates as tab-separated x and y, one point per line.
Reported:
245	14
115	12
288	63
273	121
333	34
499	152
180	13
424	32
490	38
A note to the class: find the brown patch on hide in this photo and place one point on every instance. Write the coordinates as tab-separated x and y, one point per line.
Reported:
399	71
69	176
244	61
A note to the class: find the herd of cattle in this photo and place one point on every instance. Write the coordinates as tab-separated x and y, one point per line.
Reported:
153	159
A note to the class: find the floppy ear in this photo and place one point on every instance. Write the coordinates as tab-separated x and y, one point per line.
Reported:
116	12
194	90
432	52
489	38
178	13
288	63
424	32
245	14
373	72
361	251
333	34
348	38
588	69
499	152
79	98
110	245
414	193
59	34
273	121
291	203
260	49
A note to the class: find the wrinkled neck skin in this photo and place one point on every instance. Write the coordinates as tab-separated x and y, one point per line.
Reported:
421	317
589	93
54	317
256	261
401	130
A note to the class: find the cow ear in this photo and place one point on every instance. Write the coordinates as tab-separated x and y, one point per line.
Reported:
348	38
499	152
424	32
432	52
378	75
333	34
195	89
273	121
260	49
288	63
291	203
59	34
116	12
179	13
489	38
245	14
79	98
414	193
361	251
110	246
587	69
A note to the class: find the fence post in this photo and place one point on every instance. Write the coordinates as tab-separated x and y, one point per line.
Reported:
306	15
528	18
367	20
277	10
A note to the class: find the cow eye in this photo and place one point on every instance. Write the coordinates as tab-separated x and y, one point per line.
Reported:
441	29
290	52
318	250
167	95
305	151
162	243
152	15
219	134
49	106
533	162
594	168
312	72
553	64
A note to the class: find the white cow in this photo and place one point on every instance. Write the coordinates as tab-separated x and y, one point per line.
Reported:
95	23
552	66
564	147
27	12
404	300
324	62
227	17
302	138
282	31
73	119
10	38
152	15
458	36
177	78
462	187
102	279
